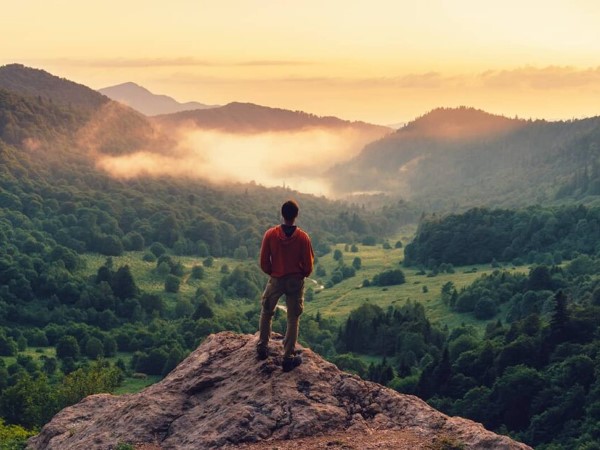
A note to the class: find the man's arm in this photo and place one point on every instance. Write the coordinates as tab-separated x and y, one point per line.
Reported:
265	255
308	257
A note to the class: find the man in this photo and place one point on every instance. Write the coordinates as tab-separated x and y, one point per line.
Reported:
286	255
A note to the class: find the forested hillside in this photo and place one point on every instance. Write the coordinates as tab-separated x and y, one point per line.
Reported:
31	82
452	158
479	236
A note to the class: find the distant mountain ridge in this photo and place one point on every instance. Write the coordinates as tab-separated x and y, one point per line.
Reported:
238	117
464	156
447	159
146	102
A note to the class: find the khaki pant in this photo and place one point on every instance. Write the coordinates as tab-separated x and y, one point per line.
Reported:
293	288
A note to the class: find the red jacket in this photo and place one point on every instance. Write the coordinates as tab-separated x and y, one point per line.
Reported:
281	255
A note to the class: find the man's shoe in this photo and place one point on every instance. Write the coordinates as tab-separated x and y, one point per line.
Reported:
262	352
291	363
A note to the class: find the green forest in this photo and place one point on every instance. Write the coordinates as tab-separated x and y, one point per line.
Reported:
107	284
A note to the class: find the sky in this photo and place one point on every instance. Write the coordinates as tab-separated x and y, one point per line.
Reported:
385	62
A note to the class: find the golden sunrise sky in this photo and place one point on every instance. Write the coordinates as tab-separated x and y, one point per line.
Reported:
379	61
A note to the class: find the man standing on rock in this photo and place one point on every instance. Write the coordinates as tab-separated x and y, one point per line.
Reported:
286	255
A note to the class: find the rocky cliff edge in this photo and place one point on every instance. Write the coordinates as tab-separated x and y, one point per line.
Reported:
222	396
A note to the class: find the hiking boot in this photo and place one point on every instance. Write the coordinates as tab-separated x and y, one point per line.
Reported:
262	352
291	363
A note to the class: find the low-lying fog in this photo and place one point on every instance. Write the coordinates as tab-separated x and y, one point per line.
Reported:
296	159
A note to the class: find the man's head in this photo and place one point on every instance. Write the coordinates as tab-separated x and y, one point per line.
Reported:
289	211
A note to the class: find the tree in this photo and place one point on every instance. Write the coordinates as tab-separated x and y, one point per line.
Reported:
203	311
151	303
134	241
172	284
540	279
184	308
110	245
350	363
485	309
97	377
158	249
208	261
337	254
560	317
94	348
67	347
357	263
123	284
512	394
309	294
197	272
30	402
241	252
8	346
163	268
110	345
49	365
152	363
389	278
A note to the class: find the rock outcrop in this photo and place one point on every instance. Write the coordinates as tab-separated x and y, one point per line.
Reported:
222	396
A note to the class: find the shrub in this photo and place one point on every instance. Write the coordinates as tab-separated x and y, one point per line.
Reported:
172	284
389	278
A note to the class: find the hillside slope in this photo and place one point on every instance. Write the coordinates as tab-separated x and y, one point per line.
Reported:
36	106
222	396
31	82
467	157
146	102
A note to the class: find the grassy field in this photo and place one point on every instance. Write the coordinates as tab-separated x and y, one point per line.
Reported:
341	299
35	352
133	385
148	280
337	301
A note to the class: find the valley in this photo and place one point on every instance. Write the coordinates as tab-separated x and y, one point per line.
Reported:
470	280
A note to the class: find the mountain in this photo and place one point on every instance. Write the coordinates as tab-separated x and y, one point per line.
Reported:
38	106
30	82
144	101
222	396
467	157
250	118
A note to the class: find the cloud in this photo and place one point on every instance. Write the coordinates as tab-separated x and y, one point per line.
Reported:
166	62
551	77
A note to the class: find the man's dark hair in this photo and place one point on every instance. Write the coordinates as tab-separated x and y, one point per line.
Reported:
289	210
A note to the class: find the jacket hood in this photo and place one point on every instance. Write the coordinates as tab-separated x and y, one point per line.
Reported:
281	233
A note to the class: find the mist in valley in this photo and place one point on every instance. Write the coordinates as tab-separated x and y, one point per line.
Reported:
296	159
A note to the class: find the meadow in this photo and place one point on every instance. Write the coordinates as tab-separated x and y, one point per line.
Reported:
420	286
333	302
